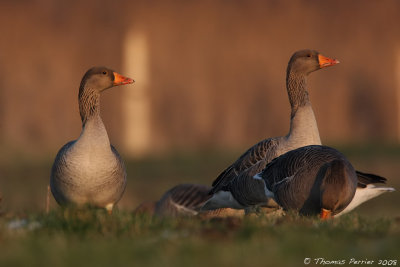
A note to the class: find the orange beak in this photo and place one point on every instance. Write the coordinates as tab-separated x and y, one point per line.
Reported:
121	80
325	214
326	61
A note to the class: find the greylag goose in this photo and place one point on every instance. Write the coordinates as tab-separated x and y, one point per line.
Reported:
89	170
311	180
184	200
303	131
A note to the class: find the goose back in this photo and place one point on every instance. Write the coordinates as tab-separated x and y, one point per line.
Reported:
310	178
183	199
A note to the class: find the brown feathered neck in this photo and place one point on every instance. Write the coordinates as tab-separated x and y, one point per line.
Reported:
89	103
296	89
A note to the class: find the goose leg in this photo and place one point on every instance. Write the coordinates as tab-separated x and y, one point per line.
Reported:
48	199
109	208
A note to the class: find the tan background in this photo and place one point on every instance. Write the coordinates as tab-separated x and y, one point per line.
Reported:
209	73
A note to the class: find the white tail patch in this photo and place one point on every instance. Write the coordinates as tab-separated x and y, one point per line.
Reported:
365	194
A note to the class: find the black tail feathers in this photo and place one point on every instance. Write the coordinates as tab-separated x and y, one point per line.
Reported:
365	179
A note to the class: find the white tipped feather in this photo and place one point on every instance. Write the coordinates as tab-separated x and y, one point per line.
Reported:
182	209
284	180
365	194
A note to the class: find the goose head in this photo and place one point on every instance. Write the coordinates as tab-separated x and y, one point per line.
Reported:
95	81
306	61
102	78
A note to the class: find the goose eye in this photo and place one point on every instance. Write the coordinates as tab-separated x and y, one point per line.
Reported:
309	55
104	72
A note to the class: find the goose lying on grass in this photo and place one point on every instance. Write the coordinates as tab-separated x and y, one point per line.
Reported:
311	180
184	200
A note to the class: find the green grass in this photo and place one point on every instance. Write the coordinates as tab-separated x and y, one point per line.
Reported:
92	238
29	237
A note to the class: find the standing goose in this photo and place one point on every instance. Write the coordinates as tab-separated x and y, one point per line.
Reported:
311	180
303	131
89	170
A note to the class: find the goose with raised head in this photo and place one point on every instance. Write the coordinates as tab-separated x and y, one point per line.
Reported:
303	131
311	180
303	127
89	170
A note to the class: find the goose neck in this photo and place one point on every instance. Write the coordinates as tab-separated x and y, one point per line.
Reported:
296	89
89	104
303	127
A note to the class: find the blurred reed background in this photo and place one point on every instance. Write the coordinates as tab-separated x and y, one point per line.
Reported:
210	75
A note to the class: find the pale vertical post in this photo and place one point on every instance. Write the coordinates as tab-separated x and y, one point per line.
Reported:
136	103
397	75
